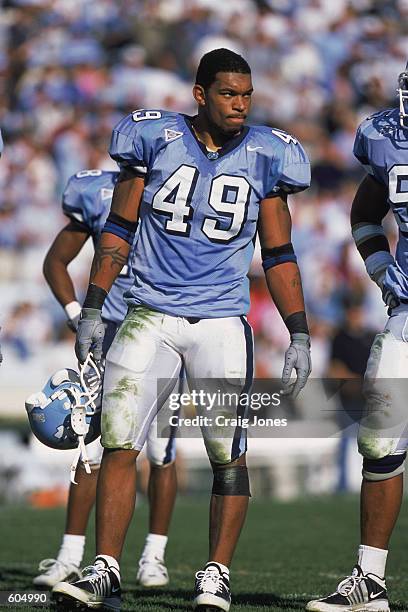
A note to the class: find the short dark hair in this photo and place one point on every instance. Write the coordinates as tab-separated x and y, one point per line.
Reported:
219	60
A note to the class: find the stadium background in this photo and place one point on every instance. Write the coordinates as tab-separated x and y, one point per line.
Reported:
69	70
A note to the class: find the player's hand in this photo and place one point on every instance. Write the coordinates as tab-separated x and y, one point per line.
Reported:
389	298
297	357
90	334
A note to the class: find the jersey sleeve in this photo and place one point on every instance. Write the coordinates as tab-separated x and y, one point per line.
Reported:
132	142
290	169
360	147
74	204
364	149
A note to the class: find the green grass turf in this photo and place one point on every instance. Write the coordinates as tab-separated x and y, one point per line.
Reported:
288	553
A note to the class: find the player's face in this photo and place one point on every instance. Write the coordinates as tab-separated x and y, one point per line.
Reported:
228	100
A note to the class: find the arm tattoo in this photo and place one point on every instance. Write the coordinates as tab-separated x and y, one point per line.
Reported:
112	253
296	281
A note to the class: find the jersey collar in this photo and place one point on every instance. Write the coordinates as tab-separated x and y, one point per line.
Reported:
229	146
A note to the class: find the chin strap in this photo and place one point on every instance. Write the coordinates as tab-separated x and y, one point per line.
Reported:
80	454
80	411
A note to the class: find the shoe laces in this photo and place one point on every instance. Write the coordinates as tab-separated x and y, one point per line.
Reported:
348	585
209	580
150	559
93	573
46	565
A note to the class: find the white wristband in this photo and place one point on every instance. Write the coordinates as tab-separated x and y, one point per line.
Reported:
72	310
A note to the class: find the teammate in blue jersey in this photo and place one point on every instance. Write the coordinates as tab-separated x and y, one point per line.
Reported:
381	145
201	187
86	202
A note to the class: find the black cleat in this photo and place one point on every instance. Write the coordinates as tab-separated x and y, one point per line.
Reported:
212	591
356	593
98	589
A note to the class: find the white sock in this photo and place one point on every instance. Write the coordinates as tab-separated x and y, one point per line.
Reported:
111	561
155	545
72	549
224	569
372	560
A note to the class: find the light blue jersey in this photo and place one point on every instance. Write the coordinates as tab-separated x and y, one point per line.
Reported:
381	145
199	211
87	200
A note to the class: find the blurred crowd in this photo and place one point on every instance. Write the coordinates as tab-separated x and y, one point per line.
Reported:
70	69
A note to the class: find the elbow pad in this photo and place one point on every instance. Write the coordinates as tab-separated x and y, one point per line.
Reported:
376	258
377	264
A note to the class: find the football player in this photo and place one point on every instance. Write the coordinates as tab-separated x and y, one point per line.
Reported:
86	202
381	145
201	187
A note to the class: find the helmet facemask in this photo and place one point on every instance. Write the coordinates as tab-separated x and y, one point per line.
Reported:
85	405
90	378
403	97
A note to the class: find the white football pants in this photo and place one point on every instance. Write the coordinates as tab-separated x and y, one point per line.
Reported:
143	365
383	431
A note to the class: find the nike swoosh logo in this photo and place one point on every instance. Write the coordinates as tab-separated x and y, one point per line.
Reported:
249	148
115	590
374	596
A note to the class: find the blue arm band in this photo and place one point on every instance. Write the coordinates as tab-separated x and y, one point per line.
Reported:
278	255
117	225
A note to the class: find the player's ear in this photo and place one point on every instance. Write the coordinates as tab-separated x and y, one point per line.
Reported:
199	94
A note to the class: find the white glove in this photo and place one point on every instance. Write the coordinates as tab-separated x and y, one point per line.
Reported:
298	357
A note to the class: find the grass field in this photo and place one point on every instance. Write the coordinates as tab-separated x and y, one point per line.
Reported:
288	553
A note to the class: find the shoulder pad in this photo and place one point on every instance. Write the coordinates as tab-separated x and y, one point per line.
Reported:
373	137
87	193
380	124
289	165
138	136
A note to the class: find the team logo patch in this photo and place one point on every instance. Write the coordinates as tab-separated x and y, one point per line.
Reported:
171	134
106	193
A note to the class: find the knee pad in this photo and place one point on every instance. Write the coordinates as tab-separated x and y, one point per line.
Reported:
231	480
373	446
385	468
